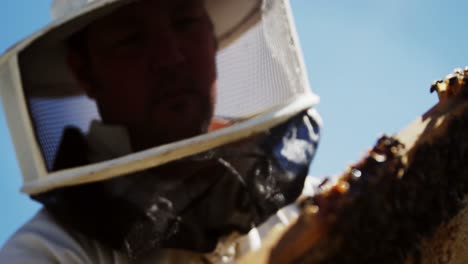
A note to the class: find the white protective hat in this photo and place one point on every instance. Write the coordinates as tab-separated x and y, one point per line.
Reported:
261	80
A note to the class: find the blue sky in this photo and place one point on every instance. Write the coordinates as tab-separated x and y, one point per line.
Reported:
370	61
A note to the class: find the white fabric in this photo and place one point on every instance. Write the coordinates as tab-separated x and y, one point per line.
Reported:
43	241
60	8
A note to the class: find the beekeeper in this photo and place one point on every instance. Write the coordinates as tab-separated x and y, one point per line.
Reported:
156	130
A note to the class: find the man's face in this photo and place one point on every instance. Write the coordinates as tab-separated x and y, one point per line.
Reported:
151	68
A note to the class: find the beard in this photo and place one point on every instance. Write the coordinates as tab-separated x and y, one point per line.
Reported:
182	106
173	120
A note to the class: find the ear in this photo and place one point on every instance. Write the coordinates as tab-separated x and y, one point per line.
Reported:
81	71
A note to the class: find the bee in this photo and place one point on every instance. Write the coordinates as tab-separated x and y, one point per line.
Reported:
453	85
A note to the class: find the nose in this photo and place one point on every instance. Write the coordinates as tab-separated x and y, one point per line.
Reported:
165	50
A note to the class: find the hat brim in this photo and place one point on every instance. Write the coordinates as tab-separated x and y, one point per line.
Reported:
174	151
42	62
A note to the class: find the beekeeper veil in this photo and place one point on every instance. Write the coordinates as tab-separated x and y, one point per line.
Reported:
263	135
